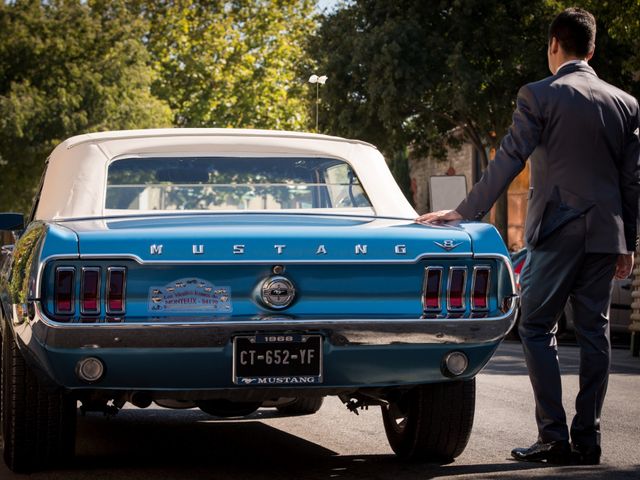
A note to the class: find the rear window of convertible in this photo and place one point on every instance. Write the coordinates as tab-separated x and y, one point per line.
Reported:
233	183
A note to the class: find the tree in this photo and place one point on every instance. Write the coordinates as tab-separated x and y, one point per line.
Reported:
415	72
231	63
409	72
617	55
67	67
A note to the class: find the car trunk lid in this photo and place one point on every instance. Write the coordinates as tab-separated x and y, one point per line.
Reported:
265	238
212	267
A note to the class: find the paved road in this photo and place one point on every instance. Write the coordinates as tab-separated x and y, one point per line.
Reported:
156	444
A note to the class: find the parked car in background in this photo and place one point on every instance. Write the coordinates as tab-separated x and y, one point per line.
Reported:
620	308
230	270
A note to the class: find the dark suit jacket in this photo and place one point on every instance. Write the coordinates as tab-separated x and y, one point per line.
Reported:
582	137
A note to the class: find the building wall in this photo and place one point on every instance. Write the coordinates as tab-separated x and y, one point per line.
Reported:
517	198
459	162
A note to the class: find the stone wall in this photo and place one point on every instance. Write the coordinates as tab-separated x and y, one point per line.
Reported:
518	195
460	162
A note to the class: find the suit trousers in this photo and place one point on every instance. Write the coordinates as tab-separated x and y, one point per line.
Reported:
556	270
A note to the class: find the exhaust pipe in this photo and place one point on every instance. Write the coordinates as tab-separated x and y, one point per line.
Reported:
140	399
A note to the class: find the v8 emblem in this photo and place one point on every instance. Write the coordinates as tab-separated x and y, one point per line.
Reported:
448	245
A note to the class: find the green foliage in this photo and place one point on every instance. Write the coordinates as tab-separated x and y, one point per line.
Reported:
67	67
231	63
75	66
415	73
399	166
411	72
407	72
617	56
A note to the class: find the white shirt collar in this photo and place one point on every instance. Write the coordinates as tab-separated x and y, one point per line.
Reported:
571	62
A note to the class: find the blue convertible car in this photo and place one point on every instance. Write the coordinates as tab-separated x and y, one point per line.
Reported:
231	270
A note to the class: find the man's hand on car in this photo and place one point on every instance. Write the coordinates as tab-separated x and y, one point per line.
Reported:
439	217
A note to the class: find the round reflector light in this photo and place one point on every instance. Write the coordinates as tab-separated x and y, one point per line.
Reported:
455	363
90	369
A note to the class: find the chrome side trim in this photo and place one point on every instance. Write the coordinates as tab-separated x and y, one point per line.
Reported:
505	260
272	261
440	271
476	269
492	256
98	270
110	270
463	306
140	261
42	266
184	334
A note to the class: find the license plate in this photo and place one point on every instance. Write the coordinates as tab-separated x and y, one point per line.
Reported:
277	360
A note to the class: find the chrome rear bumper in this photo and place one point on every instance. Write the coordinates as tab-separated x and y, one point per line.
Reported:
338	332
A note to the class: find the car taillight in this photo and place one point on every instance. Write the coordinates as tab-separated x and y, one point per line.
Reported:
517	270
480	288
116	283
64	300
431	289
457	286
90	290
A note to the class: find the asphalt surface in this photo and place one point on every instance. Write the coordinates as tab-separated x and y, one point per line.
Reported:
154	443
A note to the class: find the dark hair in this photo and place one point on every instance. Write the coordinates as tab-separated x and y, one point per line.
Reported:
575	29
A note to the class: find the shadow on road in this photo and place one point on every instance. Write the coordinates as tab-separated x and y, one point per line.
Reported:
509	360
188	438
155	444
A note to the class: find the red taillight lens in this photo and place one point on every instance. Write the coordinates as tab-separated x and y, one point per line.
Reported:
116	282
457	284
432	282
517	270
480	294
90	291
64	289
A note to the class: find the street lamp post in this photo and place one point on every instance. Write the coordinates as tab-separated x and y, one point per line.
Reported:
318	80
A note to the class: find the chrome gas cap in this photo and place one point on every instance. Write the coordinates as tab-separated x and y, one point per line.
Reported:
277	292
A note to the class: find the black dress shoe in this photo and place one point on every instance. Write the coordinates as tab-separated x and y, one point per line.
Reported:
558	452
586	454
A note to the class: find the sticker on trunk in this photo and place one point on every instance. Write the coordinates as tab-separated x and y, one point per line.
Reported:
190	295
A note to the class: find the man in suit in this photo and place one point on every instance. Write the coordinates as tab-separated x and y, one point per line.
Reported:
581	135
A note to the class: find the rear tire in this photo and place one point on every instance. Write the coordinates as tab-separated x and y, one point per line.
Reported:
514	333
431	422
302	406
38	426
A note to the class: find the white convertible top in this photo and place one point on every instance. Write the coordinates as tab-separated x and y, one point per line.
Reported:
75	182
